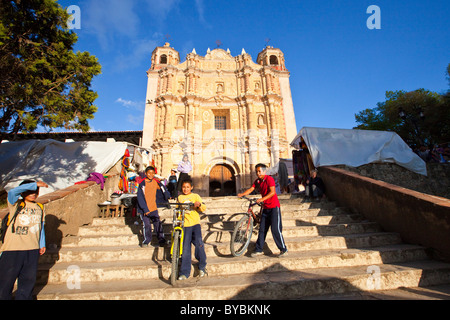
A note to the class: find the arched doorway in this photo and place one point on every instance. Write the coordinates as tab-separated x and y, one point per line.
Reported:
222	181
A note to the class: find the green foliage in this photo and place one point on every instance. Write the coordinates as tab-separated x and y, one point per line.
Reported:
42	81
431	129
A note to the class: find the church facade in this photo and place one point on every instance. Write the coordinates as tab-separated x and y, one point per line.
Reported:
226	113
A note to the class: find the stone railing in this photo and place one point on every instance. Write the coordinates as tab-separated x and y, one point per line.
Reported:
436	183
419	218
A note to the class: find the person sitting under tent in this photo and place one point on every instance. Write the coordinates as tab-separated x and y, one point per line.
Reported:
314	187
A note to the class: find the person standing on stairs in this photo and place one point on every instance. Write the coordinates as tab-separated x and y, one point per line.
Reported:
24	241
184	167
151	193
192	232
271	214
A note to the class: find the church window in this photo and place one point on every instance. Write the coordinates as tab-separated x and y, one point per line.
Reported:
163	59
220	122
273	60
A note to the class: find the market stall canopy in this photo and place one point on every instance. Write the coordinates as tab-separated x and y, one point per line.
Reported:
58	164
357	147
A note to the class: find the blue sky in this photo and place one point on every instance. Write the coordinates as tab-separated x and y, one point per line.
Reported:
338	65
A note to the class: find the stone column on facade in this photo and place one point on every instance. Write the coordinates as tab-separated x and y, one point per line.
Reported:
196	83
169	83
266	83
247	81
252	137
165	83
247	170
191	84
275	134
161	118
157	123
190	119
197	149
241	83
167	121
273	116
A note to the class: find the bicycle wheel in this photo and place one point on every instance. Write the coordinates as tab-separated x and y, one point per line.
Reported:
175	256
242	234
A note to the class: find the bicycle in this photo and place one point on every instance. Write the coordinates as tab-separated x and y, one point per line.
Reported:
242	233
176	249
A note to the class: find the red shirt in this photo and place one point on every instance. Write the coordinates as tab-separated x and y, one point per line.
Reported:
264	189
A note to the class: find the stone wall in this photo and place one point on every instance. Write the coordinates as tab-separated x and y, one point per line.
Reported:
437	182
419	218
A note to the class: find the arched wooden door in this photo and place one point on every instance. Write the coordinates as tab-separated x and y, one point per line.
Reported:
222	181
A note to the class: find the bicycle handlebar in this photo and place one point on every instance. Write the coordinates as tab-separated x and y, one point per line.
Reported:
252	201
173	204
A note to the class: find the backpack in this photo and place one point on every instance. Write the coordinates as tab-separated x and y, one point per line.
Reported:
6	222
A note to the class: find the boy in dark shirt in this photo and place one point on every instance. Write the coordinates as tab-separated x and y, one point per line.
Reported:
151	195
271	214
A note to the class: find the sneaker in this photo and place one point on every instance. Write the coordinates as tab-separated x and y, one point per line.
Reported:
256	254
182	277
144	245
202	273
283	254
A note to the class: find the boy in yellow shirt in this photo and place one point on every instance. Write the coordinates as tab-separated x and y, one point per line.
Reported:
192	232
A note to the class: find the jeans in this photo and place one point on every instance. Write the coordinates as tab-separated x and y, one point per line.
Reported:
192	235
271	218
152	218
21	265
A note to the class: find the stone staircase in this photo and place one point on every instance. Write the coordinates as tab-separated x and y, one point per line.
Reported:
331	252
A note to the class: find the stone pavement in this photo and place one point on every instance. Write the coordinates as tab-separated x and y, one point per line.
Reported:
439	292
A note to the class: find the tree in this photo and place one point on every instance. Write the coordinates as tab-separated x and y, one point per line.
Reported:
42	81
426	119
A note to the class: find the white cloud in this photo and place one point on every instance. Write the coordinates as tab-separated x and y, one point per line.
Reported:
137	120
132	105
109	18
199	4
159	9
141	50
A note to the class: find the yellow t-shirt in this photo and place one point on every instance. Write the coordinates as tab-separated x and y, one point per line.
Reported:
192	217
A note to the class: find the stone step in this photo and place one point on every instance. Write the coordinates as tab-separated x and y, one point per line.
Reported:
128	235
304	217
232	208
291	227
214	248
220	235
152	268
283	284
310	243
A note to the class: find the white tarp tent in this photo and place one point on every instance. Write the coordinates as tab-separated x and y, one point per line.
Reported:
58	164
358	147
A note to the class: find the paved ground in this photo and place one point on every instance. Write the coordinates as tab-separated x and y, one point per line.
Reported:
441	292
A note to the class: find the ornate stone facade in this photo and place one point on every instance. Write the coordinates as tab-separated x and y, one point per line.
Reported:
227	113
